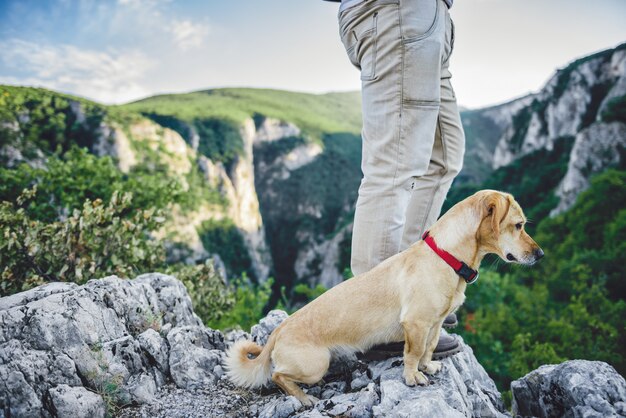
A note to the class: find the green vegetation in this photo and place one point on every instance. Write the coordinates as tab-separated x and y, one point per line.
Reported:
68	180
314	114
521	120
215	116
531	179
106	384
100	238
223	237
326	187
219	139
598	93
615	110
38	120
210	296
250	302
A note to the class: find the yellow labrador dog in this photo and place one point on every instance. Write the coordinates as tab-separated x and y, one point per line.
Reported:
405	298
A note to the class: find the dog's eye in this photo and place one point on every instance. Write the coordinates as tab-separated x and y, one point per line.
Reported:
518	226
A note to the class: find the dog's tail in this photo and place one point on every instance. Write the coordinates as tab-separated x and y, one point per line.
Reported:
248	364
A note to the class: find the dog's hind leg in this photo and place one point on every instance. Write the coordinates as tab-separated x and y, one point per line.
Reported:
302	364
290	387
415	339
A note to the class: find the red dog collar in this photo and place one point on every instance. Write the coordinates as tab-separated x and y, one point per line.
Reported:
459	267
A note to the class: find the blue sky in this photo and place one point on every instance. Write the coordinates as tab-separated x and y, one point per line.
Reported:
115	51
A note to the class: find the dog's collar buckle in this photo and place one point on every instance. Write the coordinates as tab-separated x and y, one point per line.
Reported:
468	274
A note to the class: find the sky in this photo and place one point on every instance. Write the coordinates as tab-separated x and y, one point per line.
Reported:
115	51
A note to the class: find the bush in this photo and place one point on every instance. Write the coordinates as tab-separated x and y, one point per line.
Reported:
96	240
210	297
615	110
68	180
248	309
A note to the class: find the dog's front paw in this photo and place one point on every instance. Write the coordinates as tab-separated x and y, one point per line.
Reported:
431	367
415	377
308	401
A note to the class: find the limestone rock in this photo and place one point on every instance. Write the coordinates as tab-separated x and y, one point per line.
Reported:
76	402
596	148
462	388
281	408
261	332
577	388
195	356
101	335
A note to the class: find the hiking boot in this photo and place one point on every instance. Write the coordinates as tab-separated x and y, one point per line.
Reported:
446	347
382	352
450	321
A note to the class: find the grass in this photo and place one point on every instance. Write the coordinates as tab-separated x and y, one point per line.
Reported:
314	114
108	386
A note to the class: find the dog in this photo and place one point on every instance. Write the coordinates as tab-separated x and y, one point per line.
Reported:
404	298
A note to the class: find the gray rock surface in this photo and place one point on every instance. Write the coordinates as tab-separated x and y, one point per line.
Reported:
261	332
195	356
60	339
600	146
75	402
68	350
576	388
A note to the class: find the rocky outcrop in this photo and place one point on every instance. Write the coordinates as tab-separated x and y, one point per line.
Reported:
318	262
596	148
66	348
577	388
570	105
78	351
569	102
355	388
351	388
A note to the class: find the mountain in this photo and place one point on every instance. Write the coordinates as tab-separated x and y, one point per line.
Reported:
295	165
580	111
271	177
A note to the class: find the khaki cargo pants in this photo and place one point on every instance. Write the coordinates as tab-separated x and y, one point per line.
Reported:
413	141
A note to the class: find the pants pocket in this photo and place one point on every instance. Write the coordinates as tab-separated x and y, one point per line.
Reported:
359	33
360	44
419	18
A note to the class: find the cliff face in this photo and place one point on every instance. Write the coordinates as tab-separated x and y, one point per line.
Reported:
577	104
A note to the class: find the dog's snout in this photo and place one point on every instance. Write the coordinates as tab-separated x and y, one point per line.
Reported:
538	253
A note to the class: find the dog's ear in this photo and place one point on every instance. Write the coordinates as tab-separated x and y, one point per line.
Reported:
496	206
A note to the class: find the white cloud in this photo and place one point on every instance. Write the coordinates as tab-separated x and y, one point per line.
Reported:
141	3
188	34
108	77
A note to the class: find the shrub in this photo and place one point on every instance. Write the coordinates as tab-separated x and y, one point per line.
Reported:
98	239
248	309
68	180
208	291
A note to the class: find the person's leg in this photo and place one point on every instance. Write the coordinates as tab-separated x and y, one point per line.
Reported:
446	160
399	47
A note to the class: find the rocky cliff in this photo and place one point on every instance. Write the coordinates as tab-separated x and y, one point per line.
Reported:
578	104
136	348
